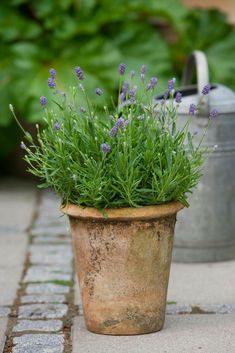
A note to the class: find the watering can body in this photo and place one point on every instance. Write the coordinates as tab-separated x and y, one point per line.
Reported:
205	231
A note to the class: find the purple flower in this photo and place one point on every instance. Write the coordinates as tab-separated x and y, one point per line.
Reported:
79	73
152	83
126	122
98	92
132	73
143	69
22	146
113	131
166	94
171	84
192	109
132	94
125	87
206	89
142	76
105	148
178	97
52	72
56	126
214	113
122	97
43	101
120	123
122	69
82	110
51	82
140	117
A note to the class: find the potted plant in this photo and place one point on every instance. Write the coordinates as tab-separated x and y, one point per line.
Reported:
122	176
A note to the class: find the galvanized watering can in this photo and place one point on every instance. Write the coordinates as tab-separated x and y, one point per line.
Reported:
205	231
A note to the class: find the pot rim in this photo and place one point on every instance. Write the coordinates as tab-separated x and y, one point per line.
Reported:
123	214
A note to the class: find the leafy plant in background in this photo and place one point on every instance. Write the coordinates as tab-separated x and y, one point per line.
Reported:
35	36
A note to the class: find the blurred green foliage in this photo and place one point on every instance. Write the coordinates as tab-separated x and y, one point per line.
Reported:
97	35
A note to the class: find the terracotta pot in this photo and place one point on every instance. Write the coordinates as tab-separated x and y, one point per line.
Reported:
123	263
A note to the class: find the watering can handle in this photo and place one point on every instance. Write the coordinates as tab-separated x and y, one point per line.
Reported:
198	60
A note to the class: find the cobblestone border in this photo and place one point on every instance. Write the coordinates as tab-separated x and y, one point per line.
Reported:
41	318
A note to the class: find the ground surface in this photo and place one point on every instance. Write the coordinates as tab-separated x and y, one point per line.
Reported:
39	313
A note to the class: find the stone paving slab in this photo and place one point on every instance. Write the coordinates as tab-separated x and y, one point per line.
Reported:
42	311
181	334
4	311
51	259
38	325
43	298
51	240
17	203
3	326
43	276
38	343
46	288
202	283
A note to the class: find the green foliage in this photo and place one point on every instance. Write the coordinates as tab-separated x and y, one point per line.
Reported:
147	160
37	35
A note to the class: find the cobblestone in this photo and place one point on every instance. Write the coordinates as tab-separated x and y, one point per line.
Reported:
50	268
50	249
51	259
39	349
42	311
172	309
39	325
4	311
51	240
39	343
43	298
47	288
218	308
42	276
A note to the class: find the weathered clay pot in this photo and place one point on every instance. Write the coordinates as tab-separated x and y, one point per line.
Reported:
123	263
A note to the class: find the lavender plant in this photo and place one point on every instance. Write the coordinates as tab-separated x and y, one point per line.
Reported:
130	156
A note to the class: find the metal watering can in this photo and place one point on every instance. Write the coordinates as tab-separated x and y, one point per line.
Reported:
205	231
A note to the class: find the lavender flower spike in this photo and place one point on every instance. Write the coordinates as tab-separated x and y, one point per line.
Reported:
206	89
125	87
132	73
171	84
98	92
120	123
52	73
43	101
79	73
152	83
122	69
143	69
113	131
192	109
56	126
132	94
105	148
214	113
82	110
166	94
51	82
178	97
